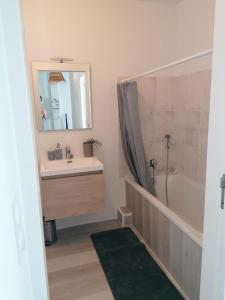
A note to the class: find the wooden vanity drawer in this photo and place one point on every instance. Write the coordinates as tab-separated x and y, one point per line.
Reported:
72	196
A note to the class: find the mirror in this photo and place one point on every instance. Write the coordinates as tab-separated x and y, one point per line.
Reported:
62	96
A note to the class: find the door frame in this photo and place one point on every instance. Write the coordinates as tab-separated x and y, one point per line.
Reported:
213	256
24	207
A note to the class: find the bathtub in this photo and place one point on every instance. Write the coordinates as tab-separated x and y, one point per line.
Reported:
172	235
186	198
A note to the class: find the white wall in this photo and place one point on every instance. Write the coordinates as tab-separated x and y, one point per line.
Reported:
117	38
195	23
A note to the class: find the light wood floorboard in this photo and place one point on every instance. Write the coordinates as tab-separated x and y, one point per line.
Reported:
74	271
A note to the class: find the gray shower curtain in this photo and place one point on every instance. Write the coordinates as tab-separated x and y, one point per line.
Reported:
131	134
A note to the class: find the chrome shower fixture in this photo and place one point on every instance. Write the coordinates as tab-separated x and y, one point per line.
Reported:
153	163
167	137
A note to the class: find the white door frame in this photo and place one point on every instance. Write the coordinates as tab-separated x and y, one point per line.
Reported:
22	255
213	266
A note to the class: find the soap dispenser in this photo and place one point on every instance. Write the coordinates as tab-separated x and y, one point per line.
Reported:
58	152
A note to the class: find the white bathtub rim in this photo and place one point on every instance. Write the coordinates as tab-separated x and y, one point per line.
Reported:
195	235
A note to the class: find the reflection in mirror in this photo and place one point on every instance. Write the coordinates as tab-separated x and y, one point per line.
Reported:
64	100
62	96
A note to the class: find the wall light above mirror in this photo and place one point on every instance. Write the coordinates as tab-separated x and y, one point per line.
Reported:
62	94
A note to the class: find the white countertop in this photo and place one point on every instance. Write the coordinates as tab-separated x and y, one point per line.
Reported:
70	166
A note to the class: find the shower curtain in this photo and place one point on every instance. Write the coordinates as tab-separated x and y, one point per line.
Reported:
131	135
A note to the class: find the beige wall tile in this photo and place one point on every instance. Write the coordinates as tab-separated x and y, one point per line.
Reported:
165	91
190	161
192	119
181	96
192	137
178	106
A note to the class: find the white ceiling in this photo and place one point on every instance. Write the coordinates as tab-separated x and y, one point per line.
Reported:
165	1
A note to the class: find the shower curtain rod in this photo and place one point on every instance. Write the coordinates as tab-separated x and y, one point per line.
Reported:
178	62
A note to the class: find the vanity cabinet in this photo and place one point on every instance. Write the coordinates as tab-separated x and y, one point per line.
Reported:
73	195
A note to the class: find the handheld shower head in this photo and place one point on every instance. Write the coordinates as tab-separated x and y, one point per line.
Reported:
168	136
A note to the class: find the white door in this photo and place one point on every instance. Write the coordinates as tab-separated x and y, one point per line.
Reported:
22	258
213	266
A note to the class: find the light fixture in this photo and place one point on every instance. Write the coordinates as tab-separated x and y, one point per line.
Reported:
55	77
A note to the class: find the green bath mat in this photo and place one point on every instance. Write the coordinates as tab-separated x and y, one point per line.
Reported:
130	270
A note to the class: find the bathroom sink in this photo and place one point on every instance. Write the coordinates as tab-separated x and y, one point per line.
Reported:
70	166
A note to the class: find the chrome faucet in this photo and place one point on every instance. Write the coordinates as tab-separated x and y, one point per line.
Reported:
68	152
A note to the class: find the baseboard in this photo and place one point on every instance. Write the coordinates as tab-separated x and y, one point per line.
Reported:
84	219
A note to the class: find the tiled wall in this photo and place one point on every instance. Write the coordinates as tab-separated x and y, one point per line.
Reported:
178	106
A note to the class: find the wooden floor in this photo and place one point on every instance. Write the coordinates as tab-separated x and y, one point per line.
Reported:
74	270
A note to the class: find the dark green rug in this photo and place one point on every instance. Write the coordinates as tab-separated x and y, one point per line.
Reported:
130	270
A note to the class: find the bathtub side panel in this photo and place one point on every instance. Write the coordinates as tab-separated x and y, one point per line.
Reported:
175	250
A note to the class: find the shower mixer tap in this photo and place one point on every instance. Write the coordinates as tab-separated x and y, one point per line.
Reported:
153	163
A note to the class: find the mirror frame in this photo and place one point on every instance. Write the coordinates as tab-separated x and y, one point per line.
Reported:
61	67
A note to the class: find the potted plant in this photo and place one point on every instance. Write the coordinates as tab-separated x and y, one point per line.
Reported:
89	146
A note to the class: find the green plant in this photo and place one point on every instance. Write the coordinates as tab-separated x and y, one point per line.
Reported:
93	141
